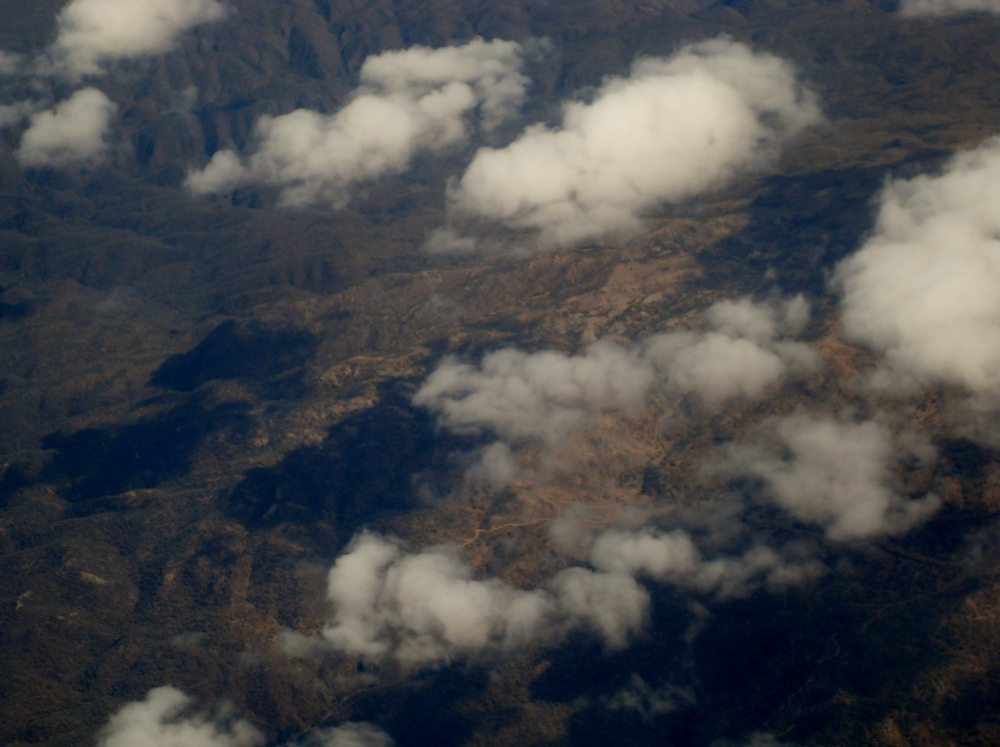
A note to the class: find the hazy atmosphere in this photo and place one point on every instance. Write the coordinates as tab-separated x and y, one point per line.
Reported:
463	374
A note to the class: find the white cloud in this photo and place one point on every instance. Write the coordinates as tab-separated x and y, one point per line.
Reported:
759	322
72	131
223	172
494	465
163	719
92	32
547	395
746	353
660	555
672	129
423	608
166	719
672	557
409	100
544	395
839	475
924	289
491	68
612	604
913	8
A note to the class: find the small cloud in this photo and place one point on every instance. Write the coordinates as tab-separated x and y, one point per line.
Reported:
119	298
611	604
449	241
839	475
546	395
570	533
73	131
494	465
94	32
164	719
186	100
222	173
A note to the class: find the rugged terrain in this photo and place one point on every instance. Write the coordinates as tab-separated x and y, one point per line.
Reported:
202	400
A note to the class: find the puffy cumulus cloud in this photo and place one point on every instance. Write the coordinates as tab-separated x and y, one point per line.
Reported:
913	8
759	322
163	719
747	351
491	68
92	32
425	608
839	475
409	100
924	289
611	604
494	466
672	129
72	131
422	607
547	395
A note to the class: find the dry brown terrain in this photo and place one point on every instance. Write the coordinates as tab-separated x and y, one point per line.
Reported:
202	401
